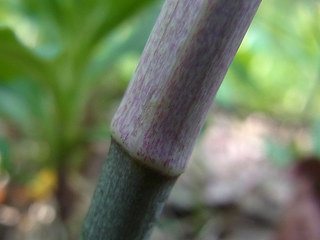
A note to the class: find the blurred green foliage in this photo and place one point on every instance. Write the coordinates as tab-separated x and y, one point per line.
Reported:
62	64
277	68
277	72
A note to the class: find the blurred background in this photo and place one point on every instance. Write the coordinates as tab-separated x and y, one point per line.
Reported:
64	66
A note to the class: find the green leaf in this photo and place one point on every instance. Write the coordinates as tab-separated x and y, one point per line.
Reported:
17	60
14	108
5	163
116	46
105	17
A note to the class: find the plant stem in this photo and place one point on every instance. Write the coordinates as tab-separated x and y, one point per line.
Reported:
183	64
181	68
127	200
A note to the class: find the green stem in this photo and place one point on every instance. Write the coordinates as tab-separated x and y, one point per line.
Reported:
128	199
183	64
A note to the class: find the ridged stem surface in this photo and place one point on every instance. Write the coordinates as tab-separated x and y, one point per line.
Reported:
155	127
182	66
127	200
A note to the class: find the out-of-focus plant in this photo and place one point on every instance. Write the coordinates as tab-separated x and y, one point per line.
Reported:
284	44
53	56
277	72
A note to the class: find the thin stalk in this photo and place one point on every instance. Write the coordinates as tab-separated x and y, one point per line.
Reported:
155	127
127	199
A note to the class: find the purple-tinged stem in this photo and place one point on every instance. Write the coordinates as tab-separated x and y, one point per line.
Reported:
155	127
182	66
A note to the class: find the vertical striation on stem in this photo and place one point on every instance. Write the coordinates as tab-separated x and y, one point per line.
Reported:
182	66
